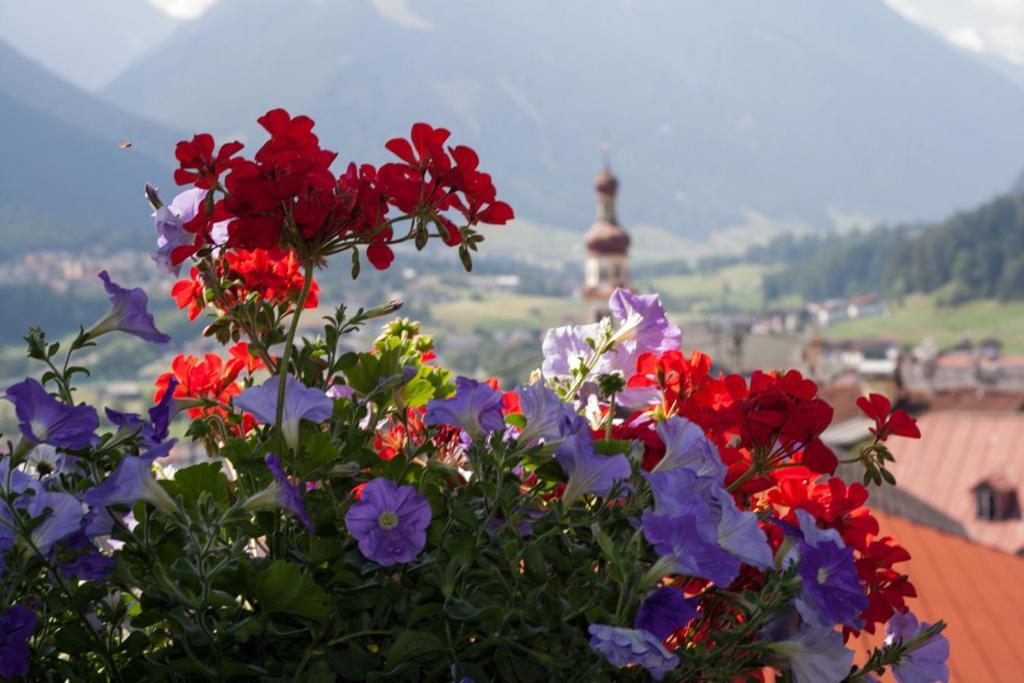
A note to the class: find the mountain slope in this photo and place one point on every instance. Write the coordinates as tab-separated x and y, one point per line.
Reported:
64	172
87	43
797	110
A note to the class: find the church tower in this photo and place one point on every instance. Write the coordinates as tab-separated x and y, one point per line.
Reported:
607	263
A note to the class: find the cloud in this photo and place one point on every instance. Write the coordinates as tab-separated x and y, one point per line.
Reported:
968	38
183	9
992	26
399	13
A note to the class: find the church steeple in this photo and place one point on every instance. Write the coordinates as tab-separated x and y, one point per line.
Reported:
607	263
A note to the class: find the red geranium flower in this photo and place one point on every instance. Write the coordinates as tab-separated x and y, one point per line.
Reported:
896	423
199	165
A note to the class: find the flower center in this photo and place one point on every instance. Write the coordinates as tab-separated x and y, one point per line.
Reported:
822	575
387	520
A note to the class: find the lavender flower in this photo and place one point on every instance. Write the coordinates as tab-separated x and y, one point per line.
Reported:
16	627
547	418
300	403
923	664
627	646
686	445
127	314
832	593
642	320
281	494
588	472
475	408
389	522
44	419
131	481
664	611
816	655
169	222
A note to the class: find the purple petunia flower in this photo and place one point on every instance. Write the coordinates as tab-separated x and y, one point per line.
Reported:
62	516
152	432
127	314
300	403
632	647
389	521
565	347
639	325
697	527
281	494
642	320
44	419
131	481
832	593
91	565
686	445
16	627
664	611
336	391
169	222
924	664
689	550
547	418
739	532
587	471
816	655
475	408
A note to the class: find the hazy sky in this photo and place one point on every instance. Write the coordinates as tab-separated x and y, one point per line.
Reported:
990	26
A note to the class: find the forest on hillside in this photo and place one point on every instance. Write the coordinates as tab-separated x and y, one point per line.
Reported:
977	254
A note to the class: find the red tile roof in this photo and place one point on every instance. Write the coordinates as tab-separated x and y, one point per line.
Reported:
975	590
956	451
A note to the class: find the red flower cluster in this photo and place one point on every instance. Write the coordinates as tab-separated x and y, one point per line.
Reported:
836	505
776	421
780	415
287	196
894	423
686	385
210	378
272	274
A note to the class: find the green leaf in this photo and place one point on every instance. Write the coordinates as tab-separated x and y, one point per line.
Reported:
320	451
416	393
412	645
516	420
284	588
192	481
611	446
461	610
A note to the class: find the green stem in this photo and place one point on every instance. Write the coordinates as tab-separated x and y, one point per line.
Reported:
591	363
282	368
744	478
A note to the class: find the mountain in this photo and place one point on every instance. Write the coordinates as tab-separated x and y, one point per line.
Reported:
87	43
719	113
976	254
65	176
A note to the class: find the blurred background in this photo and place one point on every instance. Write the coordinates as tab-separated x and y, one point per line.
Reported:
830	186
